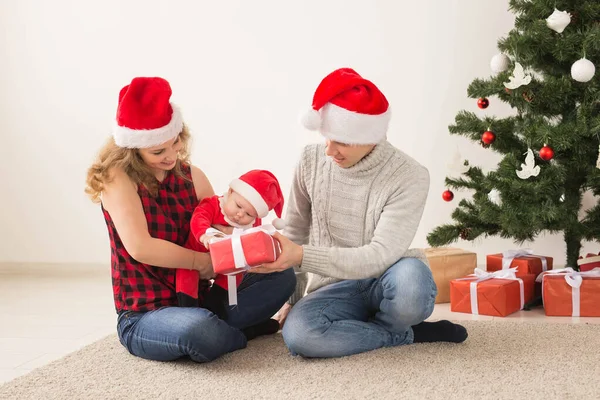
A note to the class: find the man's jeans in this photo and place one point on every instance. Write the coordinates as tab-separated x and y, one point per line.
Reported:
173	332
355	316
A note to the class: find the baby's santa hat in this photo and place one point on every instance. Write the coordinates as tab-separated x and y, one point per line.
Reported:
349	109
145	115
262	190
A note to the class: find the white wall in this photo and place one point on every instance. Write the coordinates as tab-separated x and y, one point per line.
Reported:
241	72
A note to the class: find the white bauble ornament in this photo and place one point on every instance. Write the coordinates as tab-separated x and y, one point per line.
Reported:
494	197
583	70
558	21
499	63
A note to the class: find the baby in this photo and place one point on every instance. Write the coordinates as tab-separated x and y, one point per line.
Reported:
249	198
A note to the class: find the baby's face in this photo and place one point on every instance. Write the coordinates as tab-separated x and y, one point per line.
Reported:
238	209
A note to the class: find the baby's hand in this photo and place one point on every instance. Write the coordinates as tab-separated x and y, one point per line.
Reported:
228	230
205	240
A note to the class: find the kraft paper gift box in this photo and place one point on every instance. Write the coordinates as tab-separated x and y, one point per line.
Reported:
449	263
523	259
498	293
569	293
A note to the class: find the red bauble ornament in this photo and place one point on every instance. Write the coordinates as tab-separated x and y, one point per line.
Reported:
546	153
488	137
447	195
483	102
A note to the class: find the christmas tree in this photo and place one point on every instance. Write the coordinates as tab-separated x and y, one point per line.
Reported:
546	72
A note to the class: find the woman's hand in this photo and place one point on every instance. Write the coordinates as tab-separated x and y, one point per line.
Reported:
203	264
291	256
282	314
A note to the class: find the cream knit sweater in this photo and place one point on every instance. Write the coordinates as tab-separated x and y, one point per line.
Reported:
354	223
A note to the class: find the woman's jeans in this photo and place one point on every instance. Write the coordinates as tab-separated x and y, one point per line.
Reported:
355	316
170	333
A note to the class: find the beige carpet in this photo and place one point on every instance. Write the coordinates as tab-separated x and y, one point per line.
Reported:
500	360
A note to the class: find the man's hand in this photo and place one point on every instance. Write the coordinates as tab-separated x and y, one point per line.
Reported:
291	256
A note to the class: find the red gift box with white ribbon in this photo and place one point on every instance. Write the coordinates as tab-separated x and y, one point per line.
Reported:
240	251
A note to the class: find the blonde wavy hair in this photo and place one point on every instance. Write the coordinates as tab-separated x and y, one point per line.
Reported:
112	156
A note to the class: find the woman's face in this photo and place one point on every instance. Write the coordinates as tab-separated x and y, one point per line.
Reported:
162	157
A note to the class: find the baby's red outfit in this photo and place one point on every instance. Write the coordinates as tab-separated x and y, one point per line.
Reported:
206	214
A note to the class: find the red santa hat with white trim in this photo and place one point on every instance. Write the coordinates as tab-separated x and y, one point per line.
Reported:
145	115
261	189
349	109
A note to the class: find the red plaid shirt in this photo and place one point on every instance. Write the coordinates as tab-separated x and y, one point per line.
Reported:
142	287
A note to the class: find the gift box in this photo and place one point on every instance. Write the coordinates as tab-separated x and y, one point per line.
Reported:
523	259
242	250
568	293
499	293
447	263
588	263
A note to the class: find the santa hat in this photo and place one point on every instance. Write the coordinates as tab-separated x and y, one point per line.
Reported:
145	116
349	109
262	190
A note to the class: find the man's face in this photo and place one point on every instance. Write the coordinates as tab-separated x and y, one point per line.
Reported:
347	155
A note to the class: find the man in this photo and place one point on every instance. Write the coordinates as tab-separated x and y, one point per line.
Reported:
355	205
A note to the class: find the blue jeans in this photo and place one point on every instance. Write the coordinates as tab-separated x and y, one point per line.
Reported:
170	333
355	316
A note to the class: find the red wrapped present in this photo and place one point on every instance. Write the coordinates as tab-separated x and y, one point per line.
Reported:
238	252
523	259
588	263
231	254
569	293
499	293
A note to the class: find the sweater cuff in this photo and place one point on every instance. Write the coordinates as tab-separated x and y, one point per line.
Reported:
315	260
298	294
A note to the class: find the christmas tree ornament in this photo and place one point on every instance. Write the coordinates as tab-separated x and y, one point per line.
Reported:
494	197
488	137
553	121
465	233
457	165
518	78
527	96
598	160
483	103
499	63
528	169
558	21
447	195
546	153
562	198
583	70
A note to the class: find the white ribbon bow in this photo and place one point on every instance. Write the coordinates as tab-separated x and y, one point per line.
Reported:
480	275
573	279
509	255
239	259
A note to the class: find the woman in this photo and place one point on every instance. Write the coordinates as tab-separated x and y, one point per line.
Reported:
148	191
